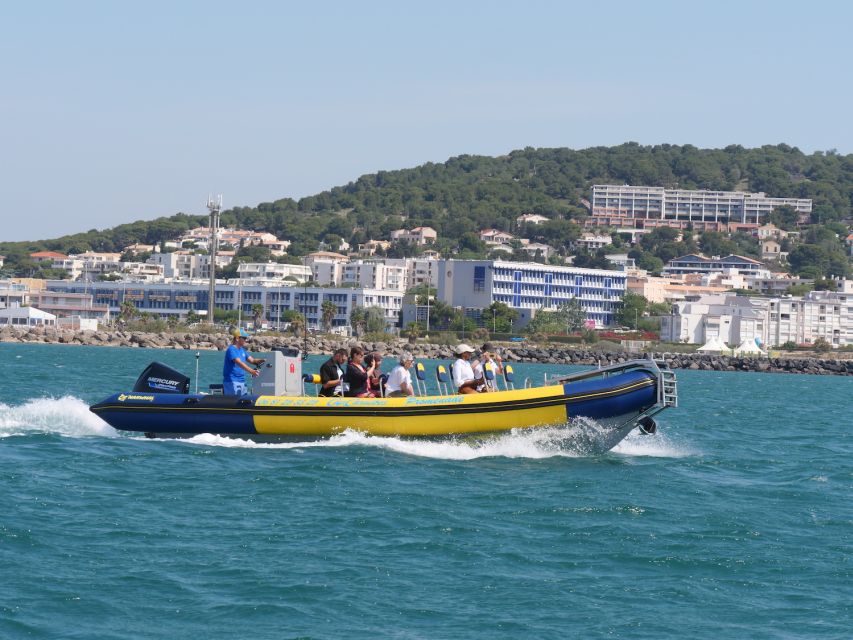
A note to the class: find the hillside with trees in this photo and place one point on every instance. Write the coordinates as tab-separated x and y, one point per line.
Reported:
468	193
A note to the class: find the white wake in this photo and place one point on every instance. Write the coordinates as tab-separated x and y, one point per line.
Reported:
68	416
548	442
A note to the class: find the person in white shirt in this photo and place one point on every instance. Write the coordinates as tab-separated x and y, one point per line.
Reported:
463	375
399	383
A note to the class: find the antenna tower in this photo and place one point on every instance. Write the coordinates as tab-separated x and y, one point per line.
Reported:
214	205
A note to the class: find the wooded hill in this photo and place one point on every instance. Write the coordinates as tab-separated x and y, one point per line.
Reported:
468	193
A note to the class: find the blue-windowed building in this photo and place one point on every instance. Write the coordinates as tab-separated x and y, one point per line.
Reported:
179	298
528	287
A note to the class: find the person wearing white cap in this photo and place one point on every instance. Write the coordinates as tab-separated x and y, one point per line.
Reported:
399	383
463	374
235	368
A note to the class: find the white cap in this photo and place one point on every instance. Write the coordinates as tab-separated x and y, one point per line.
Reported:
464	348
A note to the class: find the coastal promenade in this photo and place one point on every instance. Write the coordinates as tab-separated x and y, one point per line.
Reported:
838	364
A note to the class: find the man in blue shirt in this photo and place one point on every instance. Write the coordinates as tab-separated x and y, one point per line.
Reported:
237	361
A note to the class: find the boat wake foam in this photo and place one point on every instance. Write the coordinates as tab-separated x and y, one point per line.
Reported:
570	441
67	416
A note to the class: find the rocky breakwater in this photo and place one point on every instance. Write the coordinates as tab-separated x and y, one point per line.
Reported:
785	364
511	352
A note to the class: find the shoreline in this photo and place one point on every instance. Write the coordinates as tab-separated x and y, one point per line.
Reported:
590	356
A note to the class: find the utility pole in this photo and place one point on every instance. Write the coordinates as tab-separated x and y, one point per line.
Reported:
214	205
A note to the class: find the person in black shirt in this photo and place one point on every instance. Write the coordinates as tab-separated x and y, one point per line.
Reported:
332	374
357	375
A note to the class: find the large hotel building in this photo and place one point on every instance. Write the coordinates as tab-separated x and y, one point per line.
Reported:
645	207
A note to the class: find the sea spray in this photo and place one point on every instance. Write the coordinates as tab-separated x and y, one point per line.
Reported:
67	416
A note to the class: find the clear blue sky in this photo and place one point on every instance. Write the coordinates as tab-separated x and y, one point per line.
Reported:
112	112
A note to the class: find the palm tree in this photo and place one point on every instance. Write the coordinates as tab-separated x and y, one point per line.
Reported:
414	331
329	310
358	318
127	310
257	315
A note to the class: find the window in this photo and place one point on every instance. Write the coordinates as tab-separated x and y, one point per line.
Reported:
479	279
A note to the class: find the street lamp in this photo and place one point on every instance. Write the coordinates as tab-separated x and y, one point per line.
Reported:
494	320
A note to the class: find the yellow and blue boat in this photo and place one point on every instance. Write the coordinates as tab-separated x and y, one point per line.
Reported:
619	398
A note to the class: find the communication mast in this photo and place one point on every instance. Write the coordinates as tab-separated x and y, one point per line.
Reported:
214	205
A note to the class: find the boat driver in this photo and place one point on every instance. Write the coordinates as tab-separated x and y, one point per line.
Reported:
237	361
463	374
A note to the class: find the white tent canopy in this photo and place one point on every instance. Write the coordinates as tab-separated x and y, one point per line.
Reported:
749	347
714	345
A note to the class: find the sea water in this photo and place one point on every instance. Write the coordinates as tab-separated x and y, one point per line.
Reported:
733	521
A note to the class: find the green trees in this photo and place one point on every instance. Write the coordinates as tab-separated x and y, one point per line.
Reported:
468	193
632	310
567	318
328	311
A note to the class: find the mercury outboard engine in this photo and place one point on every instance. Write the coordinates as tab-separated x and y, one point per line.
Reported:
161	378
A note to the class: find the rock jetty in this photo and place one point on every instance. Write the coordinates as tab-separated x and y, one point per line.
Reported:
511	352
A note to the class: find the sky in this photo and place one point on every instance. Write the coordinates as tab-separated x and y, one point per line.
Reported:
112	112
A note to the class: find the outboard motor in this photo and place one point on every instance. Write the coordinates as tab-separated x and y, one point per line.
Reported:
161	378
647	426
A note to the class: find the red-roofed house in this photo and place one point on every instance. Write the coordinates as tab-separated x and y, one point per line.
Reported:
48	255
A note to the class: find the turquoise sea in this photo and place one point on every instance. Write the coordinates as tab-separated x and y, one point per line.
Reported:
734	521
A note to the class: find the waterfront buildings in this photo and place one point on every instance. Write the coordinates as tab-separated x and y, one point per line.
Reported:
773	321
636	206
528	287
275	298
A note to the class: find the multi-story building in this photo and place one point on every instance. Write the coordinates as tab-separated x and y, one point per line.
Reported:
64	304
374	275
694	263
615	205
178	298
592	241
419	235
772	321
185	265
274	271
528	287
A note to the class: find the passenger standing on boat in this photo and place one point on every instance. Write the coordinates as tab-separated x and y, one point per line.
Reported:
463	375
488	355
399	384
237	361
357	375
332	374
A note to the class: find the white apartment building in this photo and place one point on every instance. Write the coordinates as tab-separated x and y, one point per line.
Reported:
774	321
528	287
694	263
636	206
374	275
184	265
592	241
418	270
273	271
326	272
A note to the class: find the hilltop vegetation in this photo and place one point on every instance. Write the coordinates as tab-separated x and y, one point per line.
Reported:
468	193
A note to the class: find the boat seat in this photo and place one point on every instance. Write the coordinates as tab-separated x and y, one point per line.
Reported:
420	378
443	379
509	376
489	374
